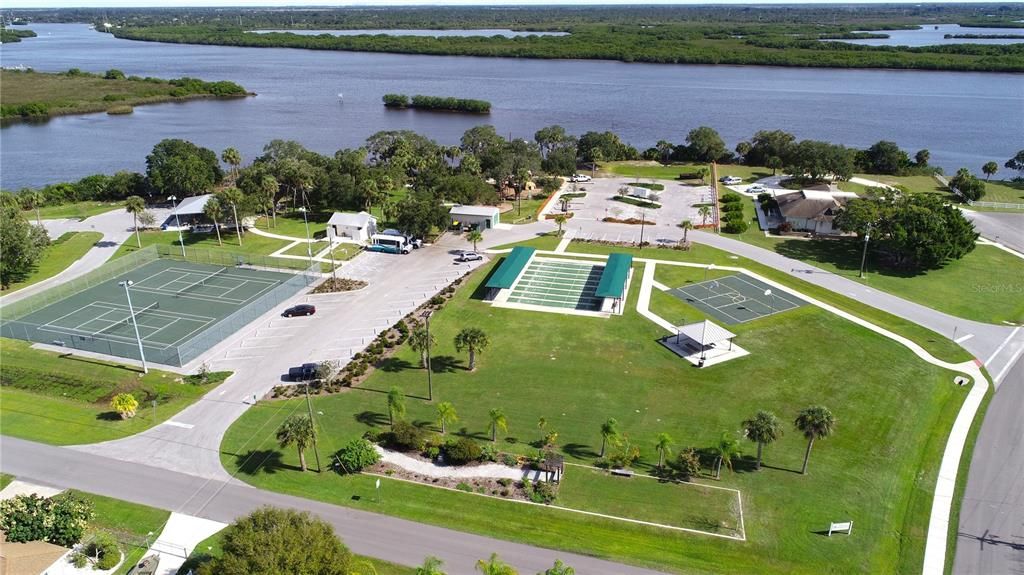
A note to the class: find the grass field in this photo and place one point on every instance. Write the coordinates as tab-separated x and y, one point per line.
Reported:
251	243
878	469
5	479
64	400
524	214
61	253
291	224
75	210
129	522
64	94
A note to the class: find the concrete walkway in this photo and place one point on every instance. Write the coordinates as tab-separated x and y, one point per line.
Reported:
489	470
179	538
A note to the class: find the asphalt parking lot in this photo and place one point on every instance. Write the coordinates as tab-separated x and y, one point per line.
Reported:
678	202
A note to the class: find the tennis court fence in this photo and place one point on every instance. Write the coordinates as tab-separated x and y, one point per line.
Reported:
12	326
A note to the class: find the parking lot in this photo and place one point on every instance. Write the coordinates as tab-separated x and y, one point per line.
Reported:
678	201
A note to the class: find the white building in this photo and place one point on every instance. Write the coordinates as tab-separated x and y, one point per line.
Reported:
480	217
351	227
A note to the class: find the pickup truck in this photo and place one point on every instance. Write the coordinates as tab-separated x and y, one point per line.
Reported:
304	372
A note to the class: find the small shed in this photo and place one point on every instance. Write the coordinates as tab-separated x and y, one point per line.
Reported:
349	226
553	466
189	213
479	217
612	285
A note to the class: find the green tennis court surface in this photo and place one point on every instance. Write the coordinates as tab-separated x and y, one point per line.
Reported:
561	284
174	302
737	299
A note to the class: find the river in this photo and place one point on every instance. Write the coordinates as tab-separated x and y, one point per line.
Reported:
965	119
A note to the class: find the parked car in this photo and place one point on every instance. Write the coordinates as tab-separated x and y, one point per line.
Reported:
469	257
304	372
579	178
301	309
757	189
731	180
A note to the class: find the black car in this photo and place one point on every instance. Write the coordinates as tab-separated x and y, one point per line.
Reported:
302	309
304	372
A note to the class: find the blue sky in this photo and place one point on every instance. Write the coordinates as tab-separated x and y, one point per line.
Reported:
173	3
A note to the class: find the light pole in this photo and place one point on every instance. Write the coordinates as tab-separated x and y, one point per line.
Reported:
309	408
706	270
309	243
131	312
177	224
864	254
769	292
643	220
430	387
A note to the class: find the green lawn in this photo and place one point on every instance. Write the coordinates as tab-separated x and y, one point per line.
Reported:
522	214
995	190
878	469
300	249
5	479
251	243
64	399
129	522
61	253
291	224
76	210
941	346
547	242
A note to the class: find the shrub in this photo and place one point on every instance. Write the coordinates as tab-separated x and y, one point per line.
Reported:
357	455
436	300
406	437
489	453
463	486
785	227
125	404
374	435
114	74
688	464
104	548
504	482
730	197
462	451
735	226
60	520
510	460
732	207
733	216
540	492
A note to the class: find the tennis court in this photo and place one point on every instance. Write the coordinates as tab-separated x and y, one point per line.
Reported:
737	298
175	303
559	284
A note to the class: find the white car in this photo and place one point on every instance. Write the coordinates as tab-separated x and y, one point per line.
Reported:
731	180
579	178
757	189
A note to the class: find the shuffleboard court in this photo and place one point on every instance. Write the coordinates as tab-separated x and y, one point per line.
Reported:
175	305
737	298
559	284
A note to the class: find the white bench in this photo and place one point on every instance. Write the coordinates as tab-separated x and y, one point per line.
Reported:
846	527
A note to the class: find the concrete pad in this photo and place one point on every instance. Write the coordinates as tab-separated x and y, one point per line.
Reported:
18	487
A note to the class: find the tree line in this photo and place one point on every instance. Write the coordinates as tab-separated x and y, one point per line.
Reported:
10	35
448	104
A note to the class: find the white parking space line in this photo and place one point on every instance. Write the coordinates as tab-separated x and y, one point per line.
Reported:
177	424
964	338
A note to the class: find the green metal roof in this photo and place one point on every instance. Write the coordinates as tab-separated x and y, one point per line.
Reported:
613	278
510	269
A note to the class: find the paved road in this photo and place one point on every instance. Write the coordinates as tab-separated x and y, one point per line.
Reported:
366	533
1005	228
991	531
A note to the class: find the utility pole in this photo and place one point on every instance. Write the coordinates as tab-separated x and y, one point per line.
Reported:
430	385
864	254
643	220
312	423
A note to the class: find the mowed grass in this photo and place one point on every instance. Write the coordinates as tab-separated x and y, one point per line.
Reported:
128	522
879	468
65	399
251	243
74	210
291	224
61	253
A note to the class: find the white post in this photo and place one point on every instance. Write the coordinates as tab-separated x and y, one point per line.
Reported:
309	244
177	224
131	312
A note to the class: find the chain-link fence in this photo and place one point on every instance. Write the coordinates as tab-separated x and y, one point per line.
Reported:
13	326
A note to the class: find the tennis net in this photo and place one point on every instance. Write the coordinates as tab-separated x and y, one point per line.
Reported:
126	322
201	282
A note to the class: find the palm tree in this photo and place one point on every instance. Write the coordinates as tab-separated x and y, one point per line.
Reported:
297	430
396	406
687	225
814	422
498	421
431	566
474	340
371	193
989	169
705	213
212	210
446	415
775	163
559	568
33	199
609	433
233	197
664	446
474	237
420	340
727	449
703	171
560	219
269	188
763	428
135	205
233	158
495	566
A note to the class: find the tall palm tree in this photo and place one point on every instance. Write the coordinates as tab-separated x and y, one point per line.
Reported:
474	237
727	449
33	199
421	341
814	422
763	428
233	158
474	340
396	406
495	566
498	421
664	446
297	430
233	197
269	188
135	205
560	219
609	433
446	415
371	193
705	213
431	566
687	225
212	209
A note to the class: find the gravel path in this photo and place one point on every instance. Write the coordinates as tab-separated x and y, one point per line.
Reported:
432	470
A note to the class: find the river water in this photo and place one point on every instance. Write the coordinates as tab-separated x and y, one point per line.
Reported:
935	35
965	119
